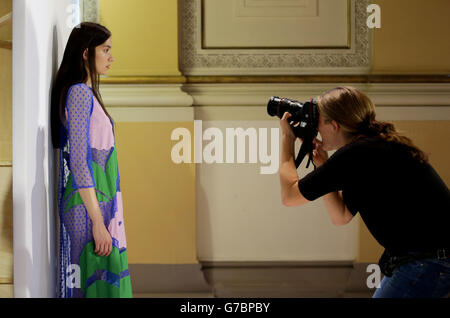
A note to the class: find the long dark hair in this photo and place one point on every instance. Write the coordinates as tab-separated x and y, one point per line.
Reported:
86	35
355	113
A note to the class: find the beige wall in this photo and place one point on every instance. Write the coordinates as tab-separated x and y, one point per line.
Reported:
6	30
413	38
6	253
159	196
145	36
5	106
5	87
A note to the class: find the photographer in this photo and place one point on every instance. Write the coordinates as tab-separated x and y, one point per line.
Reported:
388	180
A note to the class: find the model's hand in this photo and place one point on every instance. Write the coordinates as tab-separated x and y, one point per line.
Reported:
102	238
286	129
319	155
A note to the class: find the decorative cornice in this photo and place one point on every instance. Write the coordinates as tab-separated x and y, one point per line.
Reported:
309	79
196	60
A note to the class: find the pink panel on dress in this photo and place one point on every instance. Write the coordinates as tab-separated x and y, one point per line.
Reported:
101	133
116	227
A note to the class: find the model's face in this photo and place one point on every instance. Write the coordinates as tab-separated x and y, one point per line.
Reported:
329	134
103	57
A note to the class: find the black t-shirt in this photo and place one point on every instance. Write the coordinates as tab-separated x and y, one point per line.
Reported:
404	203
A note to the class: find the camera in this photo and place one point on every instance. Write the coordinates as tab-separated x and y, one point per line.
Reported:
304	115
304	121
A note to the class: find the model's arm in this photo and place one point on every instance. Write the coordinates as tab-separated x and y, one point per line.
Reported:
102	238
290	194
91	203
79	108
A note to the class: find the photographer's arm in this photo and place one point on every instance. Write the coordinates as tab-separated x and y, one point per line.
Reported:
334	202
290	193
336	208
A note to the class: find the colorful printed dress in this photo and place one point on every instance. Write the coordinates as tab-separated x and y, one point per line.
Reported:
88	159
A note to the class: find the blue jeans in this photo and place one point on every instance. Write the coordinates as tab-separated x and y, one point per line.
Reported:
427	278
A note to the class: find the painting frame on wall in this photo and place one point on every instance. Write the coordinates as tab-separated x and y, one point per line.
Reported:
198	60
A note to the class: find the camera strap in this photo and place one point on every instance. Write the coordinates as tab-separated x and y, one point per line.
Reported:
307	145
306	148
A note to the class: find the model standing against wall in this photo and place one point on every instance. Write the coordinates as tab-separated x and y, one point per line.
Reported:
92	252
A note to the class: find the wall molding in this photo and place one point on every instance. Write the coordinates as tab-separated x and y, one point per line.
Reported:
332	279
196	60
266	79
150	102
168	279
255	94
314	79
258	94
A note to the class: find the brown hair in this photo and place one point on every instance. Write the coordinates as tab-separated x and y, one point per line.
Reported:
87	35
355	113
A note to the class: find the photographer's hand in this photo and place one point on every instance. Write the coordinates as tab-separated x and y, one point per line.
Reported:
319	155
286	129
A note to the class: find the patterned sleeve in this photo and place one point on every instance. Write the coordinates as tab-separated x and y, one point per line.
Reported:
79	109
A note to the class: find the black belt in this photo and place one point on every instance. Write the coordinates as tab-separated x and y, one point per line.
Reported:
439	254
389	263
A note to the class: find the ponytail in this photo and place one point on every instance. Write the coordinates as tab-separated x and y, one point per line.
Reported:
387	131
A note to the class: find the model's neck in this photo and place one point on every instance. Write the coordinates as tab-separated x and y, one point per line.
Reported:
88	81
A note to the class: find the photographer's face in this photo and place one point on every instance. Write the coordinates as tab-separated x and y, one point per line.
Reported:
330	134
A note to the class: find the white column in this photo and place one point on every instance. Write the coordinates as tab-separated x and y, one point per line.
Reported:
40	31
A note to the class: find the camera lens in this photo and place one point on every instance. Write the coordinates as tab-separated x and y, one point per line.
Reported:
273	106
